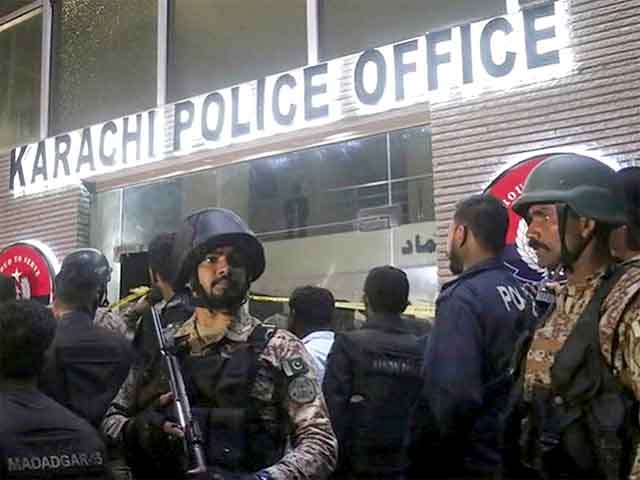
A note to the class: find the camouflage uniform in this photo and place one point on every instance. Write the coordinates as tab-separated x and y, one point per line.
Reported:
621	306
313	451
109	319
116	320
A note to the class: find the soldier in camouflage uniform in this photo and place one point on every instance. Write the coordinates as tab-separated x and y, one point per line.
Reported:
251	387
625	240
582	375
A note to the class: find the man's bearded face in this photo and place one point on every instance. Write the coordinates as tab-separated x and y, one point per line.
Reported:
223	278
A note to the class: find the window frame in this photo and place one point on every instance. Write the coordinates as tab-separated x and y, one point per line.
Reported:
511	6
14	18
164	37
16	15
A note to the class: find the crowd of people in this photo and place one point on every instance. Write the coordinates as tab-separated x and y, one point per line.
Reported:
504	385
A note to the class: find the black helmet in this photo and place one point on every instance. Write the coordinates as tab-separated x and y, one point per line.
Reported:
207	229
91	262
88	270
583	183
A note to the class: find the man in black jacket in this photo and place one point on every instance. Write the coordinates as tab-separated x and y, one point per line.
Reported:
139	388
173	306
373	381
38	437
7	288
86	364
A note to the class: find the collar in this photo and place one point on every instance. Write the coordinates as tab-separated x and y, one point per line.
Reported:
76	317
238	330
591	280
177	299
241	326
318	335
160	306
389	322
489	264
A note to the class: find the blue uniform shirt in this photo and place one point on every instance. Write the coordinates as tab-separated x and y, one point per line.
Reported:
479	317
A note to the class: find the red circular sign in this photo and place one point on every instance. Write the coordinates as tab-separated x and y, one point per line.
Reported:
507	188
32	268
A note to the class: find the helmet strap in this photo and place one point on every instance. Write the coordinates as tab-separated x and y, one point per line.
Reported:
92	307
103	301
568	257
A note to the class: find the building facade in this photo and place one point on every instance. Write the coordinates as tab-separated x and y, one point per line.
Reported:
344	132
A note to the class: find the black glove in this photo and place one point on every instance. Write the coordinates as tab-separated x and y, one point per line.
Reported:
144	427
145	432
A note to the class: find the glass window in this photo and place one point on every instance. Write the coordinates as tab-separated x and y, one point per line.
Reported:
200	190
415	199
348	26
20	57
317	190
411	152
326	215
104	61
149	210
10	6
412	174
105	232
217	43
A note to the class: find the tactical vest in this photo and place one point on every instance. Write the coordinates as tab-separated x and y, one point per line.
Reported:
585	423
386	385
236	435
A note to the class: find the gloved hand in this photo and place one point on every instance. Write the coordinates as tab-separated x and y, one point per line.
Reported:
153	429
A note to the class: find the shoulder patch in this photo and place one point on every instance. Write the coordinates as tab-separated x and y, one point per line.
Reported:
302	390
294	366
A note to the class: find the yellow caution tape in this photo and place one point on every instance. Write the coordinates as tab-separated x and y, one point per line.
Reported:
136	294
420	310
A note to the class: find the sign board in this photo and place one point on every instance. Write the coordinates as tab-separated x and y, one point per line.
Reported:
507	188
467	60
33	267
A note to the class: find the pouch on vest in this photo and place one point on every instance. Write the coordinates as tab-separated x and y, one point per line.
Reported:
227	437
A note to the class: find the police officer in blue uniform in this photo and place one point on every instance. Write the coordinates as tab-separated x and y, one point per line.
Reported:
39	438
481	317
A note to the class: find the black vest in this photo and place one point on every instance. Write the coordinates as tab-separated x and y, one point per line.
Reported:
239	434
386	363
586	421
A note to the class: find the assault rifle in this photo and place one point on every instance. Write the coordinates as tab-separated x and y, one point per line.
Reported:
192	433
